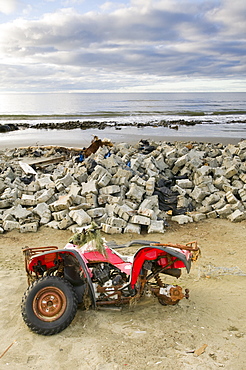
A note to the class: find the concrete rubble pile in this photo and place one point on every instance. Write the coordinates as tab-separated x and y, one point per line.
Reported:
124	188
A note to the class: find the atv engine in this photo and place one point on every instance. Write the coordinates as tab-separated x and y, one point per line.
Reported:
107	279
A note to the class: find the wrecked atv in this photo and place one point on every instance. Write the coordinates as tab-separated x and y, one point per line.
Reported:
60	279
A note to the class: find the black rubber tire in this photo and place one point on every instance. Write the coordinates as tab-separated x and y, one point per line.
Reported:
49	305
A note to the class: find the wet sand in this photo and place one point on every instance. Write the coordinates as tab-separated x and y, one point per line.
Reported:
82	138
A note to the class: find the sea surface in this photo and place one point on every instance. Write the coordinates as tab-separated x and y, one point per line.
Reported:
221	115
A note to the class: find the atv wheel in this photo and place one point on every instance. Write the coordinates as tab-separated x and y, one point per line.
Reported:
49	305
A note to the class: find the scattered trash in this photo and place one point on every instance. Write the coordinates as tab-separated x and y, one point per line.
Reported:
6	350
200	350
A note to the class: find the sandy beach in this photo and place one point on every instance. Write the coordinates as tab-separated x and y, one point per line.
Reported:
148	335
82	138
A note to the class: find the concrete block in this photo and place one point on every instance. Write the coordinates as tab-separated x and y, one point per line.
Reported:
231	197
220	204
45	195
199	193
111	189
150	202
197	217
203	171
123	211
136	162
5	203
19	212
237	216
135	192
53	224
212	214
80	217
89	187
116	221
101	175
239	205
65	222
147	213
242	194
122	173
31	227
220	182
62	183
28	200
96	212
160	163
204	209
74	190
185	184
150	186
224	211
138	180
181	161
140	220
63	202
58	216
45	182
102	219
43	211
9	225
2	186
182	201
132	229
92	200
81	175
178	189
230	172
182	219
211	199
108	229
242	177
111	163
156	226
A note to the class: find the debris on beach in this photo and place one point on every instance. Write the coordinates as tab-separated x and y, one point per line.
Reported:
123	188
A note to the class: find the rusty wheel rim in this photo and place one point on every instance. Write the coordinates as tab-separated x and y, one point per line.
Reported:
49	304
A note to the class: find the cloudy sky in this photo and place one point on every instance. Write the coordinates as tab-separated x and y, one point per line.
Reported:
122	45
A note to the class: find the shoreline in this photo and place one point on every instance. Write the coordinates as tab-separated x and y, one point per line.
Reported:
82	138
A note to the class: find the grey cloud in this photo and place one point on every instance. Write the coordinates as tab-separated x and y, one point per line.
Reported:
193	40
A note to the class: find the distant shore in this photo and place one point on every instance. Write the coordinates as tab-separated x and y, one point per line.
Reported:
82	138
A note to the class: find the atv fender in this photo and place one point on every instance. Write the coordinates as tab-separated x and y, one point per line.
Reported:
70	257
180	258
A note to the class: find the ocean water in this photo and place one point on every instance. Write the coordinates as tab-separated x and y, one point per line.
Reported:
221	115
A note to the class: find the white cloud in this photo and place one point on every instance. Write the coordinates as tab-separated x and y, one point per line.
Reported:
9	6
137	44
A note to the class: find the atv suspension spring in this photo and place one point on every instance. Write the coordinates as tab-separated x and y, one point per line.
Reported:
158	280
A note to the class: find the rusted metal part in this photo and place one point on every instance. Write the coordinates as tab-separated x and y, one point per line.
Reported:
160	270
96	143
29	253
175	294
49	304
187	293
191	246
116	302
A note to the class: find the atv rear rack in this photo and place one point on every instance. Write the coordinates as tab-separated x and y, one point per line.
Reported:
29	253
